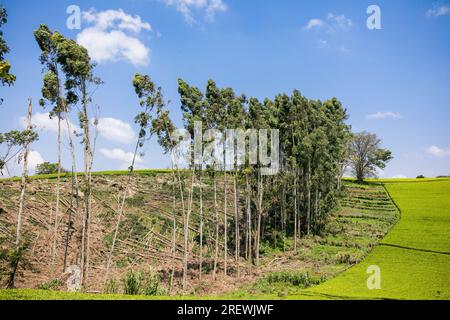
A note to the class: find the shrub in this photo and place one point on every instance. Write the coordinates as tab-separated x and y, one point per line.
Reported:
48	168
151	285
51	285
110	287
132	282
346	258
303	280
136	201
420	177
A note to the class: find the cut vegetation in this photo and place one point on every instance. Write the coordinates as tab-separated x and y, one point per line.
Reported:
365	216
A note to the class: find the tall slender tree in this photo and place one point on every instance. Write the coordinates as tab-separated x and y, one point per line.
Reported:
78	69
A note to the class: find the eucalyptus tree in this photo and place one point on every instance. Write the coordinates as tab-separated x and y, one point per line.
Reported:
52	96
236	113
257	121
151	98
313	139
78	70
213	113
193	109
164	128
23	184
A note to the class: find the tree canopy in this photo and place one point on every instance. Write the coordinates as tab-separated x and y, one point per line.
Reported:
365	155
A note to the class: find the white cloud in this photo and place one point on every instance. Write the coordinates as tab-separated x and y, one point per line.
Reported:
438	11
399	176
42	121
108	38
121	155
339	21
384	115
437	152
116	130
187	8
116	19
331	24
34	158
314	23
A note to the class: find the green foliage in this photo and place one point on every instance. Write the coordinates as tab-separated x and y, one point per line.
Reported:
14	141
409	259
151	98
303	279
6	78
151	285
132	282
145	283
136	201
365	155
48	168
13	262
53	284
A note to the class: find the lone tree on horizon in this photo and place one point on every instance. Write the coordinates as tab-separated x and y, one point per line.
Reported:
365	155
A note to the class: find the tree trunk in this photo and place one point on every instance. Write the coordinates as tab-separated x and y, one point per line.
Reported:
74	166
225	219
258	227
58	182
283	214
201	225
69	223
296	217
308	200
216	249
249	221
186	232
174	236
236	223
23	184
87	193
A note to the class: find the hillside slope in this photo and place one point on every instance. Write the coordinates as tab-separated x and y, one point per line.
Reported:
365	216
414	258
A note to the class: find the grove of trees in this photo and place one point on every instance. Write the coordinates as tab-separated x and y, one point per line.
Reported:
256	210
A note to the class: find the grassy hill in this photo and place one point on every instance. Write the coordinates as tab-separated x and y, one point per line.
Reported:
413	257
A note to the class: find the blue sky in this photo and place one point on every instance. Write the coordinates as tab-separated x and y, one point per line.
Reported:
394	81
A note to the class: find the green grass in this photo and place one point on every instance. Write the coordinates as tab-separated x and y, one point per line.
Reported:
30	294
414	257
409	267
98	173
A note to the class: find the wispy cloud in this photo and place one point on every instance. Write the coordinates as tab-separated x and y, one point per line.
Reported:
314	23
399	176
328	29
125	158
188	8
43	122
34	158
116	130
437	152
438	10
384	115
112	36
332	23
